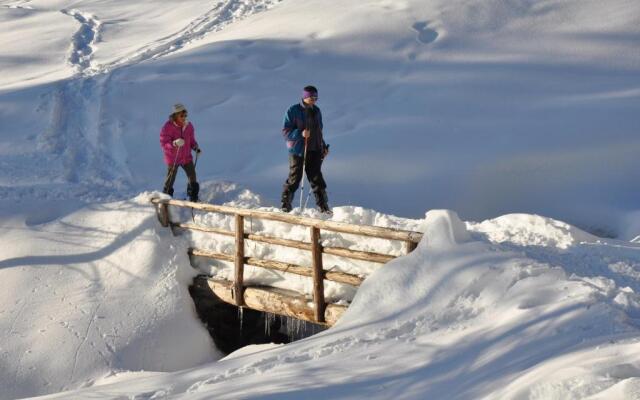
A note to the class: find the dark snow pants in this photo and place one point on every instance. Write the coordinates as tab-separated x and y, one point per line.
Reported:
172	171
314	175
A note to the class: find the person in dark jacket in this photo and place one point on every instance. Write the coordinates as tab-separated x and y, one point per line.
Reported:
303	127
177	139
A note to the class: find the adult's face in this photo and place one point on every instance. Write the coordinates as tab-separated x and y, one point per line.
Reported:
181	117
310	100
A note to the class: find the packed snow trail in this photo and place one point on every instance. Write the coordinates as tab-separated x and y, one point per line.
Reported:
84	41
20	4
223	14
79	132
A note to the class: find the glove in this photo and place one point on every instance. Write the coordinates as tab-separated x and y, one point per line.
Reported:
325	153
178	142
198	150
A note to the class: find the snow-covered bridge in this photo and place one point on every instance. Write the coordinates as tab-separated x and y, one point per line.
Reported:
260	295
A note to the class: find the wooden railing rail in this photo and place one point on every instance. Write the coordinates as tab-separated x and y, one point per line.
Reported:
333	276
236	291
296	244
364	230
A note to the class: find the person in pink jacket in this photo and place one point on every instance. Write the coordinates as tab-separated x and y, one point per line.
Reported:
177	139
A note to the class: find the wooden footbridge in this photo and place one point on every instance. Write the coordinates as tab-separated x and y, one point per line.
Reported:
271	299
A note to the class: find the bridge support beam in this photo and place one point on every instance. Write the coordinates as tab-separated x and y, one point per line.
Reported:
273	300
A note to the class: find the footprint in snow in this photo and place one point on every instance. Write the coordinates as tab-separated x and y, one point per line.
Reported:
425	35
271	64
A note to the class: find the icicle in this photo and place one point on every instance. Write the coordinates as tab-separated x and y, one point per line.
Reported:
294	328
241	317
289	328
269	319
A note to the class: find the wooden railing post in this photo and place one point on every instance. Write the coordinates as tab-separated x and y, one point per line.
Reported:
239	261
318	275
411	246
164	214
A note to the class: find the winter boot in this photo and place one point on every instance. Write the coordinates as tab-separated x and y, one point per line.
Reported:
168	191
322	200
287	198
192	191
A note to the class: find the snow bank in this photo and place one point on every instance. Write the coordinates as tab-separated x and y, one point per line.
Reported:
486	108
483	107
462	317
443	229
251	349
91	292
533	230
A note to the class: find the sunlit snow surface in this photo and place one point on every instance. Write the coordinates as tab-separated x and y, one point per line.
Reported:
509	112
473	312
487	108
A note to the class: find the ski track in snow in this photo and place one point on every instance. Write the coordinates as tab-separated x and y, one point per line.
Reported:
80	133
405	332
15	319
83	42
223	14
77	132
84	340
214	20
20	4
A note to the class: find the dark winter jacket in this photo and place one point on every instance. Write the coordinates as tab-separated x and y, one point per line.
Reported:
297	118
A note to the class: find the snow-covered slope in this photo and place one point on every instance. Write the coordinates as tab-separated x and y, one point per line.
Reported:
101	289
462	317
487	108
516	307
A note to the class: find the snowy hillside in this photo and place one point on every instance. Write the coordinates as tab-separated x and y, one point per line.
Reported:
98	290
486	108
472	313
522	116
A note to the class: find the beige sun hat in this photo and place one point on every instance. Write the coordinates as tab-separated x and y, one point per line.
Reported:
178	108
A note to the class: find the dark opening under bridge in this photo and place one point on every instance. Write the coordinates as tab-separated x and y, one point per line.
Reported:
275	300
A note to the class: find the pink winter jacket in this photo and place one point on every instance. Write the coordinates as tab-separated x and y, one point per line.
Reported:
170	132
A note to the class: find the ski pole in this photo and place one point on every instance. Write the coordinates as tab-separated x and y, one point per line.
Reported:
304	164
193	215
307	200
